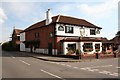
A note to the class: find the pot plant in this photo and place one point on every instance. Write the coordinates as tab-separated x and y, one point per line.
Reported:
78	52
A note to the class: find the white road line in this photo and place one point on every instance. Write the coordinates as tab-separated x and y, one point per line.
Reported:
106	66
51	74
105	72
118	67
92	70
24	62
83	68
13	57
75	67
114	74
95	69
69	65
99	66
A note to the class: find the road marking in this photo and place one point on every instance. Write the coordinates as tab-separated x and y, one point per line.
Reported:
51	74
75	67
83	68
13	57
92	70
118	67
69	65
99	66
114	74
107	66
95	69
105	72
24	62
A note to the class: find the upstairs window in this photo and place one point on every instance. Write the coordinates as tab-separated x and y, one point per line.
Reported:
68	29
92	32
36	35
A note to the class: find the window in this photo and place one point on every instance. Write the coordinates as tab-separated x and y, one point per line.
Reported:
36	35
88	47
68	29
60	28
97	47
72	47
97	31
92	32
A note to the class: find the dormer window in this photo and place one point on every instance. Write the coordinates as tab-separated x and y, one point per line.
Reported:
92	32
68	29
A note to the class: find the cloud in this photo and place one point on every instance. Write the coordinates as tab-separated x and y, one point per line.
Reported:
3	16
99	10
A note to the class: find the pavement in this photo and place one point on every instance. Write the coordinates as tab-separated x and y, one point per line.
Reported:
55	58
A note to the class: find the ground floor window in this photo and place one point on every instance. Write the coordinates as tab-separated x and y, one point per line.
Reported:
71	48
97	47
88	47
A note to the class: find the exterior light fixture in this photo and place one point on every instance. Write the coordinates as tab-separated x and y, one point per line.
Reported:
82	31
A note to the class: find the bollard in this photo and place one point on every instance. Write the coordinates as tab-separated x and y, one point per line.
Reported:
97	55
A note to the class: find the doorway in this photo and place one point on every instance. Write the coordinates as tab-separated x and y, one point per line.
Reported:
50	48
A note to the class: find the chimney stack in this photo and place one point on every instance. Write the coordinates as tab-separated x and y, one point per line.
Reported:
48	17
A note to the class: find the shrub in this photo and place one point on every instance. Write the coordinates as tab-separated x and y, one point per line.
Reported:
7	46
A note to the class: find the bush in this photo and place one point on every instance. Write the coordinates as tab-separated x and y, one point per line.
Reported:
8	46
78	52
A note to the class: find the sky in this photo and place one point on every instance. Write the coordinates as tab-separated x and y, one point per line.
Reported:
23	13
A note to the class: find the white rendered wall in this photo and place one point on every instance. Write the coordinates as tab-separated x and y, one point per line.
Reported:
22	36
22	47
45	51
76	31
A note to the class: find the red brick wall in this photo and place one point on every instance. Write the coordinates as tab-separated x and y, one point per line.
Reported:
44	35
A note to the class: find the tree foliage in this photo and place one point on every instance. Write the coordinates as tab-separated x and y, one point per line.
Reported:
7	46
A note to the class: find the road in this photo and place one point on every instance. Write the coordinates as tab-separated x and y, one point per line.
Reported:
16	65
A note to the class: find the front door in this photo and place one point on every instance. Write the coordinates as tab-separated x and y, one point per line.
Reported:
50	48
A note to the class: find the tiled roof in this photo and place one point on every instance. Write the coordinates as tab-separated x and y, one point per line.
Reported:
39	24
65	20
74	21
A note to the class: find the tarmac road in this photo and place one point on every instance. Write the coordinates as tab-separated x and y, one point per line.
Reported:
18	66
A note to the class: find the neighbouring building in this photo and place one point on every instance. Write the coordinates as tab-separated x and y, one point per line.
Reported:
61	35
107	45
16	38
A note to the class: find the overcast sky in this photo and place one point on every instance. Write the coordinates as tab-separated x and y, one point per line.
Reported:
23	13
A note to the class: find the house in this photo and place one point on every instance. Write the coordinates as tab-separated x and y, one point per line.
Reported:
16	38
61	35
